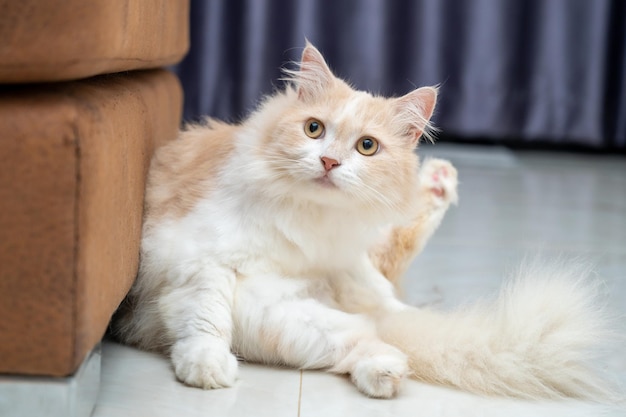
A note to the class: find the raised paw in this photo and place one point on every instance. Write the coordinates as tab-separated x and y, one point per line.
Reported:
380	376
438	177
204	362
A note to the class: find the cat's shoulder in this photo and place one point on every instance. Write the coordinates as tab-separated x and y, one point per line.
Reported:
182	171
207	138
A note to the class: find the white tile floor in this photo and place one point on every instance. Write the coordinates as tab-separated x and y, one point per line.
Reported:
512	204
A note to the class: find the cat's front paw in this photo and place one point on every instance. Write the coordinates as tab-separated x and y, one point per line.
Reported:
380	376
204	362
439	179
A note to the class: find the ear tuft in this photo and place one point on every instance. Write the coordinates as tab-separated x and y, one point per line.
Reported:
314	76
414	111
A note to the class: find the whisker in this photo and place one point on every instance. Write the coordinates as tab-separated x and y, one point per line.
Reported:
374	200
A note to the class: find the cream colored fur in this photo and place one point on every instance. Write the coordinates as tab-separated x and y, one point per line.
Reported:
538	336
251	247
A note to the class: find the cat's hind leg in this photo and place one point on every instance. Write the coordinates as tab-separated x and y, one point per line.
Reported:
437	190
277	321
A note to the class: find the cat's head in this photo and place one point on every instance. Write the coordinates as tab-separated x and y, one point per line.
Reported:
331	144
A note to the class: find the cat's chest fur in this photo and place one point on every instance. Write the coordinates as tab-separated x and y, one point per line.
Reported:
252	236
244	232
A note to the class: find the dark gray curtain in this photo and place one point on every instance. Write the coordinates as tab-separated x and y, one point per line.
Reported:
549	71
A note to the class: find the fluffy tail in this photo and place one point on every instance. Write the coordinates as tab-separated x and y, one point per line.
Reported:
536	340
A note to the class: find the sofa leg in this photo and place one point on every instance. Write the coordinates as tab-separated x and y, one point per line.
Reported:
73	396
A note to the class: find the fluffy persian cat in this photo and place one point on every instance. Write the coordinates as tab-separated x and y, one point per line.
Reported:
281	240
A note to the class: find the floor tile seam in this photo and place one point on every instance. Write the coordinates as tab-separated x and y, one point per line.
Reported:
300	393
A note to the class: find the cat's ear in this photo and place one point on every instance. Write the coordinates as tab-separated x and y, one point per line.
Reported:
414	111
314	76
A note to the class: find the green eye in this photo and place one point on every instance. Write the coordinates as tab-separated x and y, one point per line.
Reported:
367	146
313	128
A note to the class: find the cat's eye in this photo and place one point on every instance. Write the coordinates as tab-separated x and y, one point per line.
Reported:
367	146
313	128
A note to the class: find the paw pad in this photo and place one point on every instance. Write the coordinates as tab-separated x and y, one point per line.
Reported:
439	177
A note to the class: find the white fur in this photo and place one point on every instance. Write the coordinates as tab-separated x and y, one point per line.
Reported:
288	283
292	261
537	339
274	267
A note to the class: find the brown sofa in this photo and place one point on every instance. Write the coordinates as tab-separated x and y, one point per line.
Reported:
75	144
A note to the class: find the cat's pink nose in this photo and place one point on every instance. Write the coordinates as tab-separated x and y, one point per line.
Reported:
329	163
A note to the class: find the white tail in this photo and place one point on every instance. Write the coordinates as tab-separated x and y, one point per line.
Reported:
537	339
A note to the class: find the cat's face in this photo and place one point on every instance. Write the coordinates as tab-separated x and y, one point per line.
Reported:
342	147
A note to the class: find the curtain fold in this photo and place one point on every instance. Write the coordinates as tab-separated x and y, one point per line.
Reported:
527	70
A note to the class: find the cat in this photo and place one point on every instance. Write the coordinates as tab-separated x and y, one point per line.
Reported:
283	240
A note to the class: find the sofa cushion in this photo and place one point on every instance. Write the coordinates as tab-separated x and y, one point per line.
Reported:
71	39
73	162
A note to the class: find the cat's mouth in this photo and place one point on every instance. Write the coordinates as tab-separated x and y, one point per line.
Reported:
325	181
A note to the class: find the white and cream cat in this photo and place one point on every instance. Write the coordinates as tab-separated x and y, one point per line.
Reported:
280	239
